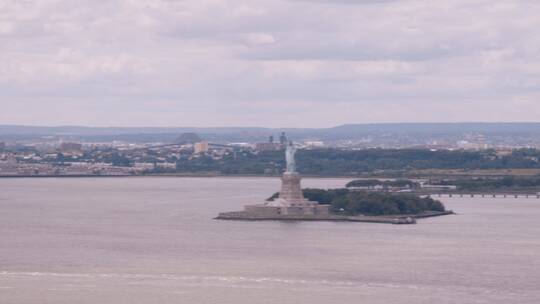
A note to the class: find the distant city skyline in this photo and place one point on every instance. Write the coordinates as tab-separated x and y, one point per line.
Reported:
267	63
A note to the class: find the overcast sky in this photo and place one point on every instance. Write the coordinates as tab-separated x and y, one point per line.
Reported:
268	63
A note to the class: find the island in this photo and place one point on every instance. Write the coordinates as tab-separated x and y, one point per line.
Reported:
294	204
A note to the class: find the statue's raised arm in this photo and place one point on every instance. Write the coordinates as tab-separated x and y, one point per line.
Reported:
289	157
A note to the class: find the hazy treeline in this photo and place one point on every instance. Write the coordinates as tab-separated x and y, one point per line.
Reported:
352	162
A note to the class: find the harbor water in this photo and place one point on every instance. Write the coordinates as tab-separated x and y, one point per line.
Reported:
154	240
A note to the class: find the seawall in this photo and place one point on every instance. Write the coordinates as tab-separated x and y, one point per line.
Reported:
398	219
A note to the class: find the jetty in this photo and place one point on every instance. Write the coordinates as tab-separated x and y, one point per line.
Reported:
480	194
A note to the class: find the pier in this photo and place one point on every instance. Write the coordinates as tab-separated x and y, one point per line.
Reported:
490	195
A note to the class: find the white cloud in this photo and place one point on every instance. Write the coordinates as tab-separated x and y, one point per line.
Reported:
224	62
259	38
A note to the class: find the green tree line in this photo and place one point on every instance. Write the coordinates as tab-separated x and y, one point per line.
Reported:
328	162
370	203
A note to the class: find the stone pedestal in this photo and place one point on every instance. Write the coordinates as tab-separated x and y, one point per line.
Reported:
291	190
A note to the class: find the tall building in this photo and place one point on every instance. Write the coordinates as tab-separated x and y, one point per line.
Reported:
268	146
201	147
283	139
2	146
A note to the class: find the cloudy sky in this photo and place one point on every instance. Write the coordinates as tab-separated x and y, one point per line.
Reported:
269	63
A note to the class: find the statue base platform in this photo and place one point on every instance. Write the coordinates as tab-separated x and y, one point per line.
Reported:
383	219
279	207
291	202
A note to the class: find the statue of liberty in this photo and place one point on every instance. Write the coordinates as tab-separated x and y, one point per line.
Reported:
289	157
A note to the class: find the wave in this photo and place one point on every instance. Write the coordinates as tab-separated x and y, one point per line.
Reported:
201	279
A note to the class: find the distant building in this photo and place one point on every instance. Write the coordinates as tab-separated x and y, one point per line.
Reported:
283	139
2	146
166	165
70	147
504	152
314	144
201	147
261	147
466	145
269	146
